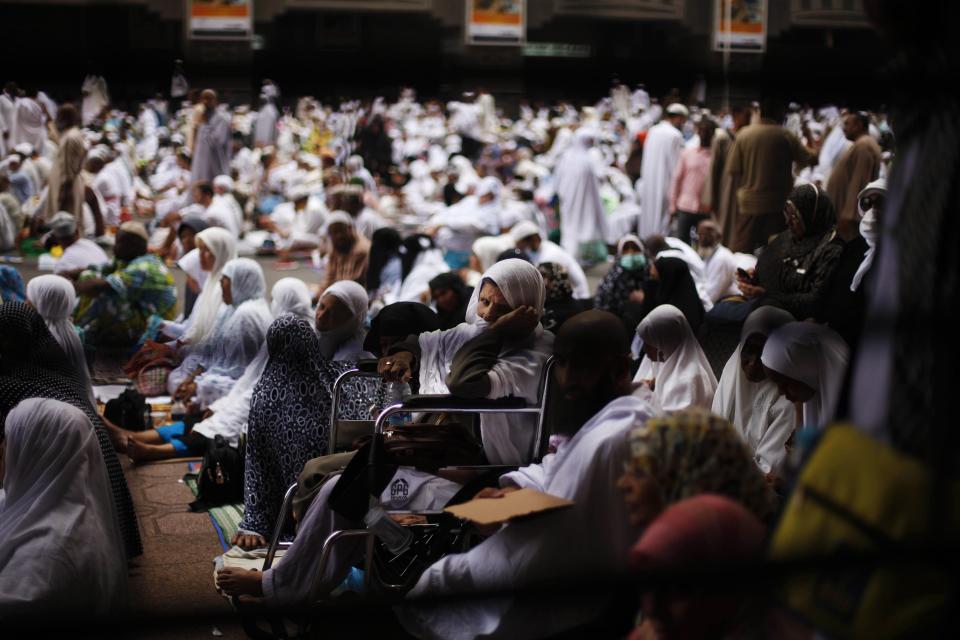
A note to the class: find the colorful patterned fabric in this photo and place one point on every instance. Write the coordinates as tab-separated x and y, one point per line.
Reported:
138	289
691	452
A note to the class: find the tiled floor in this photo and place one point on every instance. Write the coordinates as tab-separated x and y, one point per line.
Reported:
171	584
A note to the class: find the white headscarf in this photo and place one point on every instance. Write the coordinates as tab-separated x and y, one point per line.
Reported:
684	379
203	318
54	298
520	283
578	187
488	249
764	418
814	355
868	229
246	280
345	342
62	550
629	238
291	295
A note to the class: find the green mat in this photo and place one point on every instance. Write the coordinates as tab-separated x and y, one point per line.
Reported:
226	519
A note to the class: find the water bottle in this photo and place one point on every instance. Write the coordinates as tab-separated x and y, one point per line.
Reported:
394	536
396	393
178	411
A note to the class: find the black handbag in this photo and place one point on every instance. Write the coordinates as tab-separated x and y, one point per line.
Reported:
129	411
220	479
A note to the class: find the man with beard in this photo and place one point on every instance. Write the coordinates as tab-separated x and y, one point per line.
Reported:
565	547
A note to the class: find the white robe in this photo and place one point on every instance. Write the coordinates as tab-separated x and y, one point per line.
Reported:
265	128
62	551
661	152
95	98
593	537
721	274
30	124
80	255
685	378
763	418
464	222
583	219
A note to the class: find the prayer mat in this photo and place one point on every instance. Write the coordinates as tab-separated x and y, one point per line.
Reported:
226	518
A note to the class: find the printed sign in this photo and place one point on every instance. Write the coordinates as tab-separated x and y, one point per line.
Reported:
220	18
496	22
740	25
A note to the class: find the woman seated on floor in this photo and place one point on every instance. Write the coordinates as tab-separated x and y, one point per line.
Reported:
749	400
54	298
450	295
32	365
807	362
289	421
560	305
62	548
167	343
793	272
226	416
499	353
211	368
674	366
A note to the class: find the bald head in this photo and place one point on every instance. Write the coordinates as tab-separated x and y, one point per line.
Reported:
592	367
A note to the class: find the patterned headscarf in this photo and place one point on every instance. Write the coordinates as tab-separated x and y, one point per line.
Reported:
289	421
32	365
692	452
557	281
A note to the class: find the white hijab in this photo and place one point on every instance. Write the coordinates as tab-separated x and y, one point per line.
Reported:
291	295
203	318
346	341
54	298
868	229
814	355
684	378
764	418
62	551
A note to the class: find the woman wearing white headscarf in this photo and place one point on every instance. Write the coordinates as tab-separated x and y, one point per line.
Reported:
54	298
62	550
807	362
216	247
341	314
675	366
583	220
238	333
519	344
749	400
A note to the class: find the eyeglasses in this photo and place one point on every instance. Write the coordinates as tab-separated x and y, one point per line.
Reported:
871	201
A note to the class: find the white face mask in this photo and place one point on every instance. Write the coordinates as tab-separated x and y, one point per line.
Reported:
868	227
533	255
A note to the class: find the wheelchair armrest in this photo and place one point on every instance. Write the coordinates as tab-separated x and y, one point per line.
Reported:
367	365
431	402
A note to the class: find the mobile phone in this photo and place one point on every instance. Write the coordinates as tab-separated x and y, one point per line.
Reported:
743	274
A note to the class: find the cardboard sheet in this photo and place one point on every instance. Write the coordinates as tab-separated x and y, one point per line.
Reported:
524	502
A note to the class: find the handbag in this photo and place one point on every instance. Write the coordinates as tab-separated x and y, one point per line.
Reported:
220	479
130	411
152	379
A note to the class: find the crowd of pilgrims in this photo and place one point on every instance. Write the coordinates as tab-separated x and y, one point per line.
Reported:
453	245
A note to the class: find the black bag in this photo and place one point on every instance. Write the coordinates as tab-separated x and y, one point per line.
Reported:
220	479
130	411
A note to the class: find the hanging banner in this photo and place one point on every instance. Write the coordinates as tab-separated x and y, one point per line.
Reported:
496	22
740	26
220	18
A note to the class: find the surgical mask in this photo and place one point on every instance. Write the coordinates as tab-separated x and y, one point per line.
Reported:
868	226
533	255
633	261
